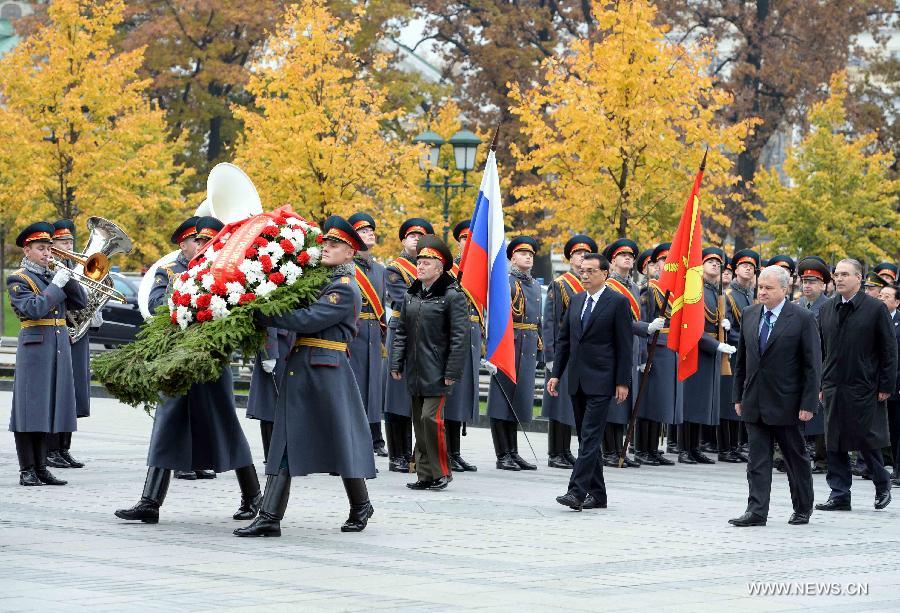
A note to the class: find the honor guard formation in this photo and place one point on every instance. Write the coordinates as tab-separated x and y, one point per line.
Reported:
796	371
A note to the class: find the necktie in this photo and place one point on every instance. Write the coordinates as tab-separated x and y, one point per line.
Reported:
586	316
764	333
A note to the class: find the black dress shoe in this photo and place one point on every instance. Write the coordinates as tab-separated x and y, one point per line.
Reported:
629	463
833	505
569	457
465	466
558	461
671	448
55	460
884	499
748	519
505	462
29	478
818	470
145	510
592	503
205	474
780	466
264	525
729	457
569	500
521	463
662	460
249	507
188	475
798	519
742	457
701	457
73	463
420	485
359	517
441	483
895	481
380	451
708	448
611	460
47	477
684	457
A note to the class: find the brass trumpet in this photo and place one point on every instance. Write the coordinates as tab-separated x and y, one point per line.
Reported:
96	268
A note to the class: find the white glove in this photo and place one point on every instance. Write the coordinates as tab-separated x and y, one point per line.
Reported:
489	367
97	319
268	365
726	324
656	325
642	367
726	348
62	276
549	366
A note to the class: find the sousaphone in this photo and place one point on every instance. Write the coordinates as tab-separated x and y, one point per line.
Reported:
230	197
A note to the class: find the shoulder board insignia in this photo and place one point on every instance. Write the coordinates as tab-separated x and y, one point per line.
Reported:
345	279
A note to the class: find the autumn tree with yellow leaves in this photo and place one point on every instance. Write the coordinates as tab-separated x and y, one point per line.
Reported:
317	140
617	130
840	198
81	135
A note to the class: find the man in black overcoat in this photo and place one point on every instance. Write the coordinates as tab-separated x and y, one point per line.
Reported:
859	374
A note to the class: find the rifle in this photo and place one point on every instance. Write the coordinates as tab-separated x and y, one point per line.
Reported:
726	363
645	376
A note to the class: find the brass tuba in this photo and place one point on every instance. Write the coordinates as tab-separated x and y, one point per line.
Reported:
105	239
230	197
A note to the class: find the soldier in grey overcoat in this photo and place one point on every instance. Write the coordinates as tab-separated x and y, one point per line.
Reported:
664	393
367	350
526	317
622	254
320	421
701	390
59	444
815	275
558	409
738	296
399	276
463	402
43	400
200	430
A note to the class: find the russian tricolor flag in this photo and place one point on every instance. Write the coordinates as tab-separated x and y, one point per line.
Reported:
484	272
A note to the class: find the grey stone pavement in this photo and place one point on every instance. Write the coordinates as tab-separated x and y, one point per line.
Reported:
492	541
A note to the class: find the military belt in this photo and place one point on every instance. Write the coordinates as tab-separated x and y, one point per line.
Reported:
28	323
321	343
518	326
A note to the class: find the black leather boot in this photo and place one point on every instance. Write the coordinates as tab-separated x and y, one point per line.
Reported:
188	475
205	474
265	432
360	507
513	442
251	497
155	487
47	477
65	444
28	477
55	460
274	503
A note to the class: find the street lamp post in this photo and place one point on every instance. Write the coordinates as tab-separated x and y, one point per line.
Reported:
465	146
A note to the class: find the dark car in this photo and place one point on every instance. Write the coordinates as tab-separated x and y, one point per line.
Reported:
120	321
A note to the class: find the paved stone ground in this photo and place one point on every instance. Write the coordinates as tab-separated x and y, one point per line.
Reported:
493	540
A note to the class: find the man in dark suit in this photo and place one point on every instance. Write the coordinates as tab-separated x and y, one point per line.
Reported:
859	373
776	387
595	342
890	296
